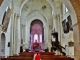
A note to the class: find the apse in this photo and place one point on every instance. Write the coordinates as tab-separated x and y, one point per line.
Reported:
36	33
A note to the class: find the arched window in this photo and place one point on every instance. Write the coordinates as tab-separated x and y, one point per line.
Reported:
66	9
35	37
40	37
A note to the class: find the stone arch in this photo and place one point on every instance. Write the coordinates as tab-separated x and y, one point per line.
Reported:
31	18
37	15
37	29
2	52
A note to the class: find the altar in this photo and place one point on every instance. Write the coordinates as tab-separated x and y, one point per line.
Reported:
36	47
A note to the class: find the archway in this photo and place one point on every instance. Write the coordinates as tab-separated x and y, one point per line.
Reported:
76	25
36	33
2	52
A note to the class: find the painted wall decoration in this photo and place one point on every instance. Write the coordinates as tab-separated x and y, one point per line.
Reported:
65	26
71	44
70	23
6	20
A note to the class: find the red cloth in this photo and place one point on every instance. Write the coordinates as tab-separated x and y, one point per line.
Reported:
37	57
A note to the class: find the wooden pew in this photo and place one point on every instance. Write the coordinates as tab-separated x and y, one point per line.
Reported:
52	56
44	56
47	53
17	59
21	56
27	54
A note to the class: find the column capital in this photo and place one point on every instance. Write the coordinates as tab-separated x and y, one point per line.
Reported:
16	15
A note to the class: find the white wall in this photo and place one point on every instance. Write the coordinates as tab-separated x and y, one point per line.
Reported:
70	50
7	36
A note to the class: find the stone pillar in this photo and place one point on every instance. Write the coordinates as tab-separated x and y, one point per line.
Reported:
31	41
12	35
49	35
59	27
76	34
28	35
32	38
55	22
15	41
66	43
19	35
0	38
45	36
39	38
22	33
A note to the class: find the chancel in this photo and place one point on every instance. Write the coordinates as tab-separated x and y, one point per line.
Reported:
48	27
36	46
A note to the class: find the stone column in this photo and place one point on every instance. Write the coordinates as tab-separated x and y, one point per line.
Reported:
54	22
0	38
76	34
12	35
66	43
19	35
28	35
31	42
44	44
15	42
27	28
58	27
22	33
45	36
39	38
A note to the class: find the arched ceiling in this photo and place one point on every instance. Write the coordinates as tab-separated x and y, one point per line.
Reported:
41	5
36	29
37	5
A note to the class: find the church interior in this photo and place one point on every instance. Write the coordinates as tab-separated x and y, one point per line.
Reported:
48	27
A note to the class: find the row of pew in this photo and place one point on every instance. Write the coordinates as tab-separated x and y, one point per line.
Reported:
50	57
21	56
44	56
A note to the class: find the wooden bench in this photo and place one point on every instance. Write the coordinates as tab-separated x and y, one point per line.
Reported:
44	56
47	53
17	58
27	54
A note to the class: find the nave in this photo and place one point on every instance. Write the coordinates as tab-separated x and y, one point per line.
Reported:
47	15
43	55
